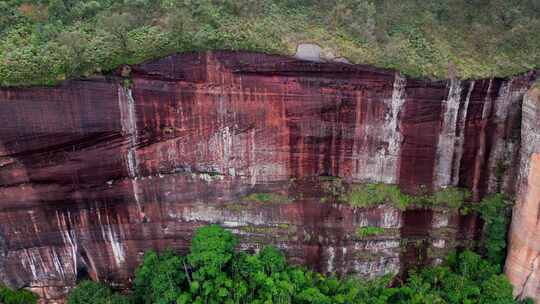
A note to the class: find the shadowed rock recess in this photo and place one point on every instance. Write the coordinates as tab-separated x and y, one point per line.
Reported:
95	172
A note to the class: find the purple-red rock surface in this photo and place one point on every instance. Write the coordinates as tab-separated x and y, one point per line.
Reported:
95	172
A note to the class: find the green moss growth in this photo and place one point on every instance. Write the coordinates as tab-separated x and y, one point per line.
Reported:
127	83
450	197
370	195
266	198
363	232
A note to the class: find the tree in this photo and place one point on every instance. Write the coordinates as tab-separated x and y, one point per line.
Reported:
89	292
160	278
215	273
495	212
355	16
272	260
8	296
212	250
119	25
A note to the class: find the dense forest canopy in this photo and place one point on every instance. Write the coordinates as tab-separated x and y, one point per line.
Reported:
214	272
46	41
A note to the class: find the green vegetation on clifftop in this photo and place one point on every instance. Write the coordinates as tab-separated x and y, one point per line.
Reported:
46	41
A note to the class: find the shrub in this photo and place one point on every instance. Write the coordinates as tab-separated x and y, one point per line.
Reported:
89	292
450	197
363	232
464	278
8	296
370	195
495	211
331	186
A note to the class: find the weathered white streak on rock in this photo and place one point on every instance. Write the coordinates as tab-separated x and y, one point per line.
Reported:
68	235
380	267
447	136
393	133
109	234
460	140
380	165
128	119
331	259
503	149
480	153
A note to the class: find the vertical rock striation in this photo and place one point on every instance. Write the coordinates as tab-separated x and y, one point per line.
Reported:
93	174
447	141
523	262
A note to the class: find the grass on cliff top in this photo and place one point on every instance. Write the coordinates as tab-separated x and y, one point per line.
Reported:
46	41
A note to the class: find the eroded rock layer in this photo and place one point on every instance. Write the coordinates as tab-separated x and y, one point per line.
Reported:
93	173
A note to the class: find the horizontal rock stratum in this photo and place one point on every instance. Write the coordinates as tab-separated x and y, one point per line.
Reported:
95	172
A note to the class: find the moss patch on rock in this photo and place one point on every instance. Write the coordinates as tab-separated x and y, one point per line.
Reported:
374	194
367	231
266	198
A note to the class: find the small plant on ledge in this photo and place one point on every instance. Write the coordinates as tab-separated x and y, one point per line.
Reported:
363	232
371	195
266	198
450	197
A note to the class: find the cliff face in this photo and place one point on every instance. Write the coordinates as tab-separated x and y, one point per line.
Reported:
92	173
523	261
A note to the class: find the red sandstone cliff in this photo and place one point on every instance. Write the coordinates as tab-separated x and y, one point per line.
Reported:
92	174
523	261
